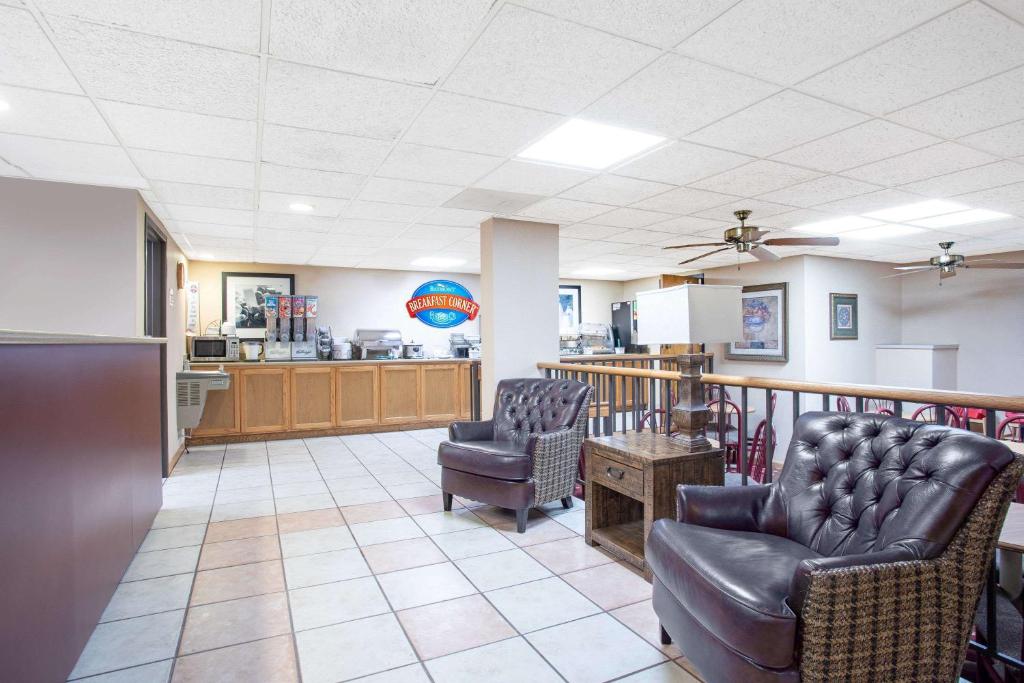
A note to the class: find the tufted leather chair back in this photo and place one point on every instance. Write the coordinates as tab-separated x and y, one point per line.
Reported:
525	406
864	482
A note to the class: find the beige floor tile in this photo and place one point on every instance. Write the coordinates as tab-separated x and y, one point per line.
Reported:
271	660
229	583
311	519
508	568
641	618
540	604
316	541
379	640
540	530
121	644
446	627
610	585
241	528
385	531
424	585
333	603
235	621
425	504
337	565
162	563
482	541
567	555
507	661
669	672
138	598
242	551
372	512
398	555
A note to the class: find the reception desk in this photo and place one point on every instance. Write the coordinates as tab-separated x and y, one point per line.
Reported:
282	400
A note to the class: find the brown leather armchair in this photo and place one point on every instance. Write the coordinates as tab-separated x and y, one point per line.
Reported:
526	455
863	562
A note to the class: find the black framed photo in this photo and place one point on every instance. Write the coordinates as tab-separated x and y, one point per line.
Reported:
843	320
765	325
570	313
242	300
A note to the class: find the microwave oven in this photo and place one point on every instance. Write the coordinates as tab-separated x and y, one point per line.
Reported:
214	349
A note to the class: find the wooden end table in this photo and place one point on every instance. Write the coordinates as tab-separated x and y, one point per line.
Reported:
631	481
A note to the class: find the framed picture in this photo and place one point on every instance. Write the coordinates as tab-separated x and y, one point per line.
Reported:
242	299
765	325
843	321
569	311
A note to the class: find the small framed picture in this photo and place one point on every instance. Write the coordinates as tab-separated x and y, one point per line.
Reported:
765	325
843	321
569	308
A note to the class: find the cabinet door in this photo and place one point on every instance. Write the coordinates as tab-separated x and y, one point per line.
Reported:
399	393
357	396
439	392
312	394
221	415
264	396
465	391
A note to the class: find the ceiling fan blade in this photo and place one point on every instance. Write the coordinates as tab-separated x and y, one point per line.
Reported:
762	254
804	241
702	244
695	258
1002	265
921	267
906	272
944	274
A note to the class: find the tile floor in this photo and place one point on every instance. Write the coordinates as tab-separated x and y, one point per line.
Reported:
330	559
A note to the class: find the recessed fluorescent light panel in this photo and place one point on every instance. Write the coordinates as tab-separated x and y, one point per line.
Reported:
882	232
596	271
587	144
437	262
834	226
961	218
912	212
300	207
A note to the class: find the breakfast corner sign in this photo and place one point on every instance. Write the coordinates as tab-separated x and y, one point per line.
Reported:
442	303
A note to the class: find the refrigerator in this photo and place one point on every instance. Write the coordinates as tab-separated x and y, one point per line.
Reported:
624	326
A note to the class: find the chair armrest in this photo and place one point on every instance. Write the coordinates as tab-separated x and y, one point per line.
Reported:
555	458
814	569
471	431
736	508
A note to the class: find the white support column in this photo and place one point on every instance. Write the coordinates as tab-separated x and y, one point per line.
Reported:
519	305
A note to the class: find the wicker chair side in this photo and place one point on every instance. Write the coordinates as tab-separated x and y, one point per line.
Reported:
904	621
556	458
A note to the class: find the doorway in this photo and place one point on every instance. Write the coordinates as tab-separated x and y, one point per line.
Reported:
155	317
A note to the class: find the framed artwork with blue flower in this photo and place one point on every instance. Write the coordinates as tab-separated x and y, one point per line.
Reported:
844	323
765	325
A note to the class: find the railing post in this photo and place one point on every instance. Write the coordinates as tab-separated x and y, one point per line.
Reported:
990	424
744	466
860	404
826	402
897	408
940	414
769	442
796	407
721	418
611	403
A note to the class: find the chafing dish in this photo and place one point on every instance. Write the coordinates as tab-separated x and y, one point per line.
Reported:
377	344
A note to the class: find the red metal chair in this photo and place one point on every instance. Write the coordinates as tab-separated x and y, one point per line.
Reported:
731	439
926	413
880	406
758	457
1010	420
842	405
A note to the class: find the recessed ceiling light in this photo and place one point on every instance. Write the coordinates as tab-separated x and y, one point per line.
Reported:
438	262
835	226
4	105
881	232
589	145
910	212
597	271
961	218
301	207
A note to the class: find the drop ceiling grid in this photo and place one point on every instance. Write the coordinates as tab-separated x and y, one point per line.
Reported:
609	240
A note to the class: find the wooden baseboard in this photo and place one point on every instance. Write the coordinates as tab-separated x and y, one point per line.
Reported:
313	433
176	456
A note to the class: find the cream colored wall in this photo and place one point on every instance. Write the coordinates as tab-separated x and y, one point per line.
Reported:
597	298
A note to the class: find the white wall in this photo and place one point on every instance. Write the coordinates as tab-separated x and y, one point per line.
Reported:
597	298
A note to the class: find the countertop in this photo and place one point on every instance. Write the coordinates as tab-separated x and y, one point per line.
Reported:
300	363
32	337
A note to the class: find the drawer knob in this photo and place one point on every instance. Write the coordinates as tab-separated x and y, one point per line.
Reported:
616	473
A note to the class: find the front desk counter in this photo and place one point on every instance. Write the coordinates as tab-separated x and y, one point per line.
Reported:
301	399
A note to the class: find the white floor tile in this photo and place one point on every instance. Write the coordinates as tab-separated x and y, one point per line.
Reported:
139	598
121	644
482	541
447	522
173	537
489	572
333	603
424	585
162	563
385	531
379	642
508	661
316	541
310	570
540	604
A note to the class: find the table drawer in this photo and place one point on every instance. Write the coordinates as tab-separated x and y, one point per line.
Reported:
615	475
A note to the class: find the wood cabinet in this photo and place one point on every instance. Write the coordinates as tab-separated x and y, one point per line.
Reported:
357	396
465	391
399	393
312	398
439	392
222	414
264	394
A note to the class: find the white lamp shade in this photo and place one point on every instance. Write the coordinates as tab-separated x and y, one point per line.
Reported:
690	314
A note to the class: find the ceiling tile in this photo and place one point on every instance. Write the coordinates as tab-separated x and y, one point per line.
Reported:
871	141
432	164
614	189
564	210
676	95
866	203
920	164
630	218
309	97
74	162
176	131
970	180
777	123
203	195
434	235
407	192
131	67
288	240
530	178
1007	227
986	104
473	125
1012	8
462	217
382	211
306	181
640	237
785	41
963	46
205	214
381	230
756	178
681	163
829	188
336	261
322	151
539	61
1008	198
281	202
184	168
230	24
213	230
360	37
684	200
687	225
1004	141
759	208
294	221
53	115
585	231
27	57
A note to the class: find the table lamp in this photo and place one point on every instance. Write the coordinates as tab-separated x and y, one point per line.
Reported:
690	314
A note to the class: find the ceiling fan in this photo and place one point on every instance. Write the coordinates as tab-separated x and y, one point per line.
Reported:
746	239
947	264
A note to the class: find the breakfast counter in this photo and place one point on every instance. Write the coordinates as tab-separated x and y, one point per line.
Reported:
298	399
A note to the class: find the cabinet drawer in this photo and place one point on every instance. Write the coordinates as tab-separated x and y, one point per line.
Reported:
615	475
